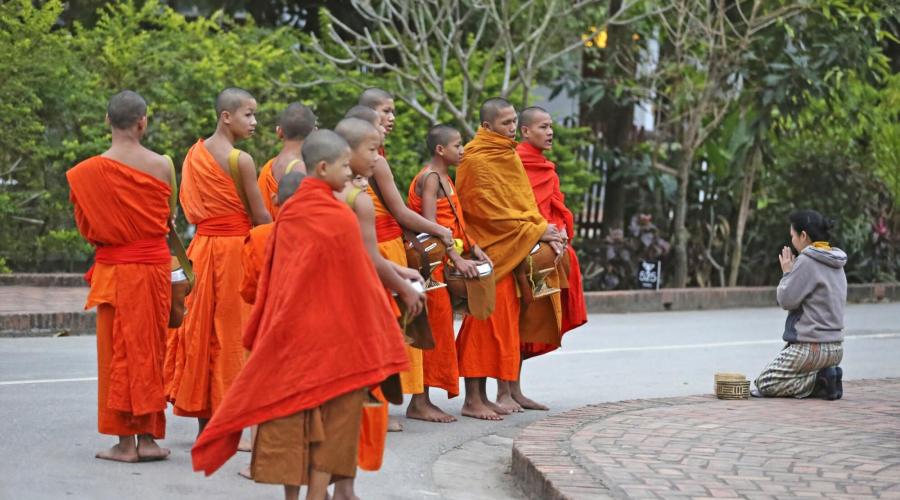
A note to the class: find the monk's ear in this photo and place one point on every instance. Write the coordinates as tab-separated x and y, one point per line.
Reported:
279	133
439	150
320	168
142	124
486	125
107	120
225	117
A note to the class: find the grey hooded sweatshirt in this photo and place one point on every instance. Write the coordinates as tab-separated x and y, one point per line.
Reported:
815	293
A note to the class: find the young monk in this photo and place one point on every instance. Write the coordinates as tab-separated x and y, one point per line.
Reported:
309	415
364	140
501	215
391	216
295	123
121	201
538	329
428	196
204	355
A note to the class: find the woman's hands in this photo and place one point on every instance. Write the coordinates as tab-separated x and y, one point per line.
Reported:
786	259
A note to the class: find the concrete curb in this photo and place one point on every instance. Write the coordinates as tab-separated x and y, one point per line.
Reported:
692	299
48	324
42	279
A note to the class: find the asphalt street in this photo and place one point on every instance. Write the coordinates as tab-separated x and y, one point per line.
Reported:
48	403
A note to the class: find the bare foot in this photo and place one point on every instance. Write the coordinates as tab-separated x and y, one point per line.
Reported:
509	404
428	412
480	410
394	425
149	451
529	404
245	445
118	453
496	408
245	473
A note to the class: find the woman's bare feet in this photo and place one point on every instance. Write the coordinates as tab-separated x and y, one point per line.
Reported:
125	451
148	451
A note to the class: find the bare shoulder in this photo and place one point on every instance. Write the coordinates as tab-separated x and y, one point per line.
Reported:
245	160
156	165
383	168
363	206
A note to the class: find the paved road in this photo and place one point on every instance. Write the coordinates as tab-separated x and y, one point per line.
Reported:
49	436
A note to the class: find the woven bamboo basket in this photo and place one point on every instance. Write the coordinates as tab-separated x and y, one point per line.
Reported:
732	386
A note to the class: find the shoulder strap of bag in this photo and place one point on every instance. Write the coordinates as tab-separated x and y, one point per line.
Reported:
176	246
351	196
290	166
462	228
236	177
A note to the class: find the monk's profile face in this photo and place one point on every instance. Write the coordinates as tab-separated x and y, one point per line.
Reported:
504	123
242	121
365	154
540	133
452	152
386	113
336	173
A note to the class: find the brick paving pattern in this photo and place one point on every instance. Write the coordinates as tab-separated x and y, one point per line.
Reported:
43	310
699	447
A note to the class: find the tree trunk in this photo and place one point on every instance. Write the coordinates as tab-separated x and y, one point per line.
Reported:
681	235
752	164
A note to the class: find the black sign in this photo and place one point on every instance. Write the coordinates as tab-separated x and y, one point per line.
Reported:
650	274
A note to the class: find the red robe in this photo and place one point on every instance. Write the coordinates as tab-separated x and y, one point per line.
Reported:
123	212
320	310
551	203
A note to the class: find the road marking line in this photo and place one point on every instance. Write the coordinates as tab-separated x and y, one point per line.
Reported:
47	381
888	335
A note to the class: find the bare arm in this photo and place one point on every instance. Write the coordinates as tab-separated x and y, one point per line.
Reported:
259	214
429	210
406	217
365	213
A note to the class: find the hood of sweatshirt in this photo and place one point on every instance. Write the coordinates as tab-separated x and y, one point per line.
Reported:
835	257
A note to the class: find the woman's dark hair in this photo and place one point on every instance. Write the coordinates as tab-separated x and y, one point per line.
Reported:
817	226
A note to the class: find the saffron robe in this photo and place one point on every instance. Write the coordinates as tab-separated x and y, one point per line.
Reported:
268	186
551	203
439	365
320	310
391	247
204	355
501	215
252	255
123	212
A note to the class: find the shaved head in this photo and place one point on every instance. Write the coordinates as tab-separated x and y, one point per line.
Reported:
531	114
355	131
491	109
288	185
125	109
231	99
373	97
322	145
297	121
440	135
363	113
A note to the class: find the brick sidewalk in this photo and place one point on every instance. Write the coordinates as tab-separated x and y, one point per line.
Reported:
700	447
42	310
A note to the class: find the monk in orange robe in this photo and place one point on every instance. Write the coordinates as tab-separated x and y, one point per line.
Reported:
391	217
433	195
364	140
204	355
309	415
501	215
536	127
121	201
254	251
295	123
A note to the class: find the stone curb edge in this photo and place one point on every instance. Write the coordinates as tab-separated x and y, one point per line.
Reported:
545	467
48	324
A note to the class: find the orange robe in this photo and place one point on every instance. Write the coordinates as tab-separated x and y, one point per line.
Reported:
252	255
502	217
268	186
391	247
123	212
551	203
320	310
204	355
439	365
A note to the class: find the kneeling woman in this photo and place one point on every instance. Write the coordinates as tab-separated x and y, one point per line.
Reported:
814	290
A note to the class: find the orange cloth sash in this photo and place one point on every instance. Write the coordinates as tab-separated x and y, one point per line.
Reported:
501	214
126	210
344	339
204	355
